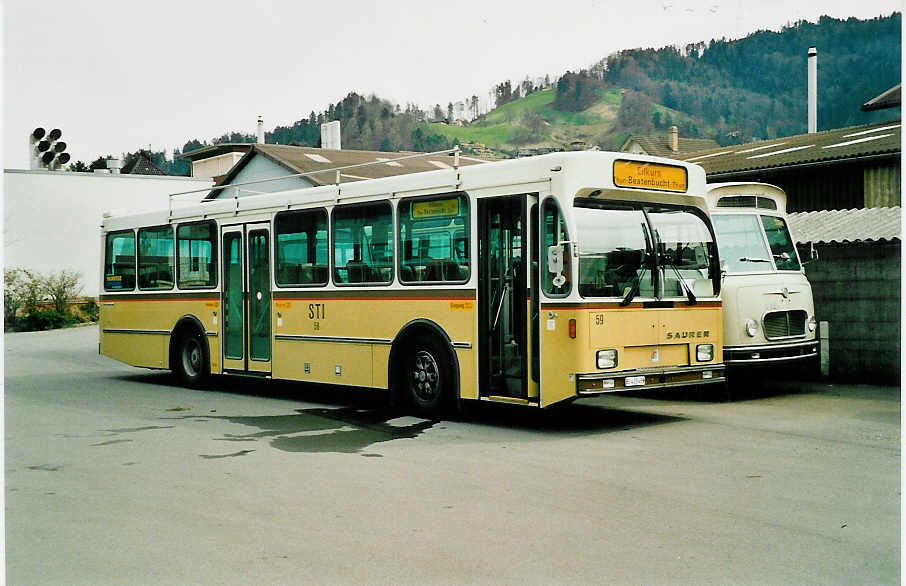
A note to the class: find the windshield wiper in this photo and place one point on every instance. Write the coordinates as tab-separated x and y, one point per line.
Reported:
753	259
634	290
689	294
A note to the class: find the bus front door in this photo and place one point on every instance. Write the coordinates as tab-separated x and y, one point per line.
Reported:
246	298
503	300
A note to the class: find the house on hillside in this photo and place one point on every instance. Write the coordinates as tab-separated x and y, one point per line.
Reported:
671	145
141	164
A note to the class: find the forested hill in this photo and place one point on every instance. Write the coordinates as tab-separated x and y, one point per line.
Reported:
758	83
730	90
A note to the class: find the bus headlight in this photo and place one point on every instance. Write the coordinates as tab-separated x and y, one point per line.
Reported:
607	358
704	352
751	327
812	324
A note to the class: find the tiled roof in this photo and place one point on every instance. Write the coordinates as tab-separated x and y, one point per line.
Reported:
141	164
844	143
861	225
309	159
889	99
659	146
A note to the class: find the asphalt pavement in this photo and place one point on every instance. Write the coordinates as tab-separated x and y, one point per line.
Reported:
114	475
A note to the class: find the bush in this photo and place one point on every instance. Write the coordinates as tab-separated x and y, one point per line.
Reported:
49	319
91	310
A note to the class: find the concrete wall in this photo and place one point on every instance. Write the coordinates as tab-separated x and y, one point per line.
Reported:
856	288
51	219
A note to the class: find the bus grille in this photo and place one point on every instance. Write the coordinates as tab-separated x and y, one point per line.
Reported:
783	324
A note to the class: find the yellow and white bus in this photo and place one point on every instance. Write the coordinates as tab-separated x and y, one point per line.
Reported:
531	281
769	317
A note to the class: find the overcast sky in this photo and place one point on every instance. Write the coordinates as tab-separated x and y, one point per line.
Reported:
118	76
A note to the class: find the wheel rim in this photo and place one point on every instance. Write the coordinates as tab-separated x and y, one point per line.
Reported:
424	377
191	357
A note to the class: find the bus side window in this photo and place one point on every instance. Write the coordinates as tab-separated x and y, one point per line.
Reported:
363	246
553	232
155	258
119	261
195	251
434	239
301	246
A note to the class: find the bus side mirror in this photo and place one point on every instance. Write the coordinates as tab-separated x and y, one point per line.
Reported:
555	264
724	267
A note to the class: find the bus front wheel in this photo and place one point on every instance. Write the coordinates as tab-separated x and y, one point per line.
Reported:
428	376
191	360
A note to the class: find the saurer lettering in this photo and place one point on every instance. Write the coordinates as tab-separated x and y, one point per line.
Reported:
689	334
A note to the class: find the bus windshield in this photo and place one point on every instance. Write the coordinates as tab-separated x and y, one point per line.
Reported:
616	251
782	248
685	248
742	243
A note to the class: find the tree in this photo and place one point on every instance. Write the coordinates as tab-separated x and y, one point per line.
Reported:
635	112
12	295
534	122
450	112
22	290
438	113
99	163
62	287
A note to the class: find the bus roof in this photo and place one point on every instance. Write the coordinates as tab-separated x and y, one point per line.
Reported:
748	195
566	174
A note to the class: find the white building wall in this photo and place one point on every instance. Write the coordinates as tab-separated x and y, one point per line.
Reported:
215	166
259	167
51	219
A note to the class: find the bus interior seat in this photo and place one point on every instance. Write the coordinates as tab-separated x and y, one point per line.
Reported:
407	273
442	270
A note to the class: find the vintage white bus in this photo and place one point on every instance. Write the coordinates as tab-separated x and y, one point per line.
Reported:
769	317
531	281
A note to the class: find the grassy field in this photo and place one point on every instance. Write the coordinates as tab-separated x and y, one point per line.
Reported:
505	127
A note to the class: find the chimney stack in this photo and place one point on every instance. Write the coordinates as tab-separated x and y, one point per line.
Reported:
812	90
330	135
260	130
674	139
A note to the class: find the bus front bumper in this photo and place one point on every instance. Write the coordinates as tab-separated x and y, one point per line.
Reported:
770	353
588	385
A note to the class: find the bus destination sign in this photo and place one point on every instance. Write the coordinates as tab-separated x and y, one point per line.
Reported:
642	175
438	208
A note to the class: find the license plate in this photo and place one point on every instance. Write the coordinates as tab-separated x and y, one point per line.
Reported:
635	381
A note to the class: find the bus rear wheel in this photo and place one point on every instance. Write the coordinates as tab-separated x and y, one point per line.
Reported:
428	376
191	365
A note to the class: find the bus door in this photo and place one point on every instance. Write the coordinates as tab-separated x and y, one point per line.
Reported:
503	298
246	298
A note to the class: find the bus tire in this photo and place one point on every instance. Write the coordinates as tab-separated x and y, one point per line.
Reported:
428	380
191	363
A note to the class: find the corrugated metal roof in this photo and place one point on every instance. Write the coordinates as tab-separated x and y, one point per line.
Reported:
310	160
842	143
861	225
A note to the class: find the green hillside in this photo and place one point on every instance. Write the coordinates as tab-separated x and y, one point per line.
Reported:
532	122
